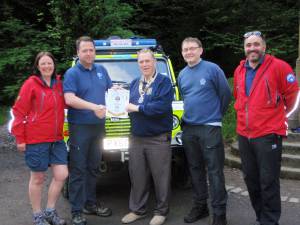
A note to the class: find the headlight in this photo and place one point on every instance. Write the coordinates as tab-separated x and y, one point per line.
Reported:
175	122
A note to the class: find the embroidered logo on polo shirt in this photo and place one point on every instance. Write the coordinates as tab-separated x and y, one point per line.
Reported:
290	78
100	75
202	81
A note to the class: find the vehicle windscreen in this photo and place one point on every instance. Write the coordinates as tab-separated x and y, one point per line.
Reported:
124	71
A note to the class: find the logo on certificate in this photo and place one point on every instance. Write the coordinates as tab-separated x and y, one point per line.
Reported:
116	101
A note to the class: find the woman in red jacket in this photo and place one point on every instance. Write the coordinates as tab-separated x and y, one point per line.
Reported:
38	123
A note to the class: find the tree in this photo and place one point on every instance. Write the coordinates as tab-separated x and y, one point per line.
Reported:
53	28
220	25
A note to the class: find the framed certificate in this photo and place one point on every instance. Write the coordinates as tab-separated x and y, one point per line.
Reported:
116	101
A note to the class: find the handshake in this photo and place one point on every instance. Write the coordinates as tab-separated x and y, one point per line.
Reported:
100	111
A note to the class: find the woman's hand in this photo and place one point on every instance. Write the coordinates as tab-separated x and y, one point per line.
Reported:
21	147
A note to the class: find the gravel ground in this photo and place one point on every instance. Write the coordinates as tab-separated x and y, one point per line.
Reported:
15	208
14	175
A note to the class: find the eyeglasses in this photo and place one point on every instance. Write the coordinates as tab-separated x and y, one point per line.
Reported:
190	49
255	33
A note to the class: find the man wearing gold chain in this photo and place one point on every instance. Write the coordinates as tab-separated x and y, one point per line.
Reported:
150	111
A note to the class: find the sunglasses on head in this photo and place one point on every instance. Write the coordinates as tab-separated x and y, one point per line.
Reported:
256	33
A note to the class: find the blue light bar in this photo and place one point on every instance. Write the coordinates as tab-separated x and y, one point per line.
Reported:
124	44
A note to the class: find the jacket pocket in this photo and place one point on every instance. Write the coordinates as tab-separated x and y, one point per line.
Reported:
270	96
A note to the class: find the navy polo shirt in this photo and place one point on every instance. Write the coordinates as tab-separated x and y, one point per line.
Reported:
87	84
250	74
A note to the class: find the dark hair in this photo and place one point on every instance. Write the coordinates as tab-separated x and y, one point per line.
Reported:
192	39
83	38
36	63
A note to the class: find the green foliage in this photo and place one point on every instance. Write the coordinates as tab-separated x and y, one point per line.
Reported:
55	29
97	19
229	120
20	42
3	114
220	25
27	27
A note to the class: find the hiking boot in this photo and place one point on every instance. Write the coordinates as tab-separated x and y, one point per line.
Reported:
196	213
131	217
78	219
53	218
98	210
158	220
39	219
219	220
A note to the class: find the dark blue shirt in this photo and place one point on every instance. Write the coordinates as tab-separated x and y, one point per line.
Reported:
155	114
205	92
87	84
250	74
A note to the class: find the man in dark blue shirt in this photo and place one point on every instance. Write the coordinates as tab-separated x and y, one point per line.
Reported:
206	96
85	85
150	111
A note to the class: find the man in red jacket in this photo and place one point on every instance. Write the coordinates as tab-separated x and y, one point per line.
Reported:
266	93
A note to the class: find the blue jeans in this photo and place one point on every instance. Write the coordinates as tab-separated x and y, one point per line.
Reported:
85	157
203	146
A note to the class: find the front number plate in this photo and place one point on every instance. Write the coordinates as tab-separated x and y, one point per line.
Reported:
115	143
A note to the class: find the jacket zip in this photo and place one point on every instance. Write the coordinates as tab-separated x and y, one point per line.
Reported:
55	109
269	91
247	116
42	101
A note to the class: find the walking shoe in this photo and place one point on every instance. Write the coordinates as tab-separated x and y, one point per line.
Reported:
39	219
53	219
98	210
157	220
219	220
78	219
196	213
131	217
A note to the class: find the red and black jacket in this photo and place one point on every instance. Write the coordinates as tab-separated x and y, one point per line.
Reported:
39	112
272	95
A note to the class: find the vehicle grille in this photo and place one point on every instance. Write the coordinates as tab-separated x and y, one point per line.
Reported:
117	127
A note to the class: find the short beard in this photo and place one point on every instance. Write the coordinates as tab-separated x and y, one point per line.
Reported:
260	55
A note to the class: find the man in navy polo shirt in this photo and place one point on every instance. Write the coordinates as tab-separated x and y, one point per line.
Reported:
85	85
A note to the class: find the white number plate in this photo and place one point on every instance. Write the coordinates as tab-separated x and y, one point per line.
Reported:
115	143
120	42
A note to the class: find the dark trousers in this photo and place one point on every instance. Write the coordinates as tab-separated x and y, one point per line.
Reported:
203	146
85	142
150	156
261	161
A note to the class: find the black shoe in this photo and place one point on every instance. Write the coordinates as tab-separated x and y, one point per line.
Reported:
98	210
78	219
219	220
196	213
